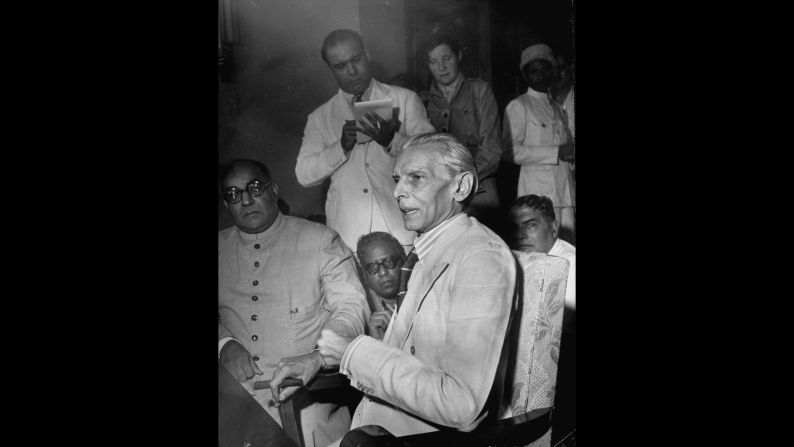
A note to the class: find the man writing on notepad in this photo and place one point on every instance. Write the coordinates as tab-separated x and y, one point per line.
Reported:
358	155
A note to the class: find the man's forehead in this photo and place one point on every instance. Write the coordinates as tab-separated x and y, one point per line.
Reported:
343	50
379	248
240	175
524	212
420	158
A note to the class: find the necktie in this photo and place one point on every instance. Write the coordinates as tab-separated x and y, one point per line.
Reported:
405	274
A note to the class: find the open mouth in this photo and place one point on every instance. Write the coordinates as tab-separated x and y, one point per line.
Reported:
408	211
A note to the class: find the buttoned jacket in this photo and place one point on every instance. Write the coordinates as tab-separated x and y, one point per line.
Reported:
363	181
472	116
277	290
437	364
534	129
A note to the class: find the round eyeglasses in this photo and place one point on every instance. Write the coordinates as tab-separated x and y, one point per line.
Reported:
254	188
389	263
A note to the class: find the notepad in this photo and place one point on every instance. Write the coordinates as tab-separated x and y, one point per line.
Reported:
380	106
383	107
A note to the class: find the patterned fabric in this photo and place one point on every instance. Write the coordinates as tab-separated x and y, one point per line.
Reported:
536	331
405	275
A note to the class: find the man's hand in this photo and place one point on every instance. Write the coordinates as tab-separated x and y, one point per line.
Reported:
238	361
567	152
378	322
348	140
378	129
303	367
332	347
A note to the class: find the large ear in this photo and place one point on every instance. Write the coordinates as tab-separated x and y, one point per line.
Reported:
464	183
555	228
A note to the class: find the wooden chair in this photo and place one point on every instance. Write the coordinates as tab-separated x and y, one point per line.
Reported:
327	382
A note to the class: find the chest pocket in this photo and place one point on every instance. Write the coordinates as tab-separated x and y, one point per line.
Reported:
541	132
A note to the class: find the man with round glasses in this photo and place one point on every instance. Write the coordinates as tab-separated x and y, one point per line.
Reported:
380	255
281	280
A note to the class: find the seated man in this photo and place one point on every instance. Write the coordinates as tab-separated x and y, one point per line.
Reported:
281	280
536	229
436	365
380	255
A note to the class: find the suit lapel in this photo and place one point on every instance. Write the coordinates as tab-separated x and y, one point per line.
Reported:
413	303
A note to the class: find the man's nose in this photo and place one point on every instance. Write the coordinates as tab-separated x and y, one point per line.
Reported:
443	67
352	70
398	191
247	198
520	235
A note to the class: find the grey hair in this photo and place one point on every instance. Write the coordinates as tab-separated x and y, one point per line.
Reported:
454	154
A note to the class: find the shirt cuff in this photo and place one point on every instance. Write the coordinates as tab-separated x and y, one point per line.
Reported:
343	365
222	342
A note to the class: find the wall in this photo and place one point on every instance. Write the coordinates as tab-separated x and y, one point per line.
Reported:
279	78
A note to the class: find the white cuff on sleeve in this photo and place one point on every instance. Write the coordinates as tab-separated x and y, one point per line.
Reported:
222	342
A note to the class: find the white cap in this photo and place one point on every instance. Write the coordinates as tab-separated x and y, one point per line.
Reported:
537	51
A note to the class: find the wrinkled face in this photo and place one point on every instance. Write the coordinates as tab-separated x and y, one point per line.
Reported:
540	74
350	66
384	281
425	189
252	214
443	63
533	232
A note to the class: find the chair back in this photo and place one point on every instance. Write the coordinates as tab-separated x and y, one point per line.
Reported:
535	333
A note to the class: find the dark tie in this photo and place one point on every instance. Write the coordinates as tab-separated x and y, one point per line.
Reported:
405	274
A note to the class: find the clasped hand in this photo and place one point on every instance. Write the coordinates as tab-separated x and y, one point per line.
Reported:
567	152
373	126
378	322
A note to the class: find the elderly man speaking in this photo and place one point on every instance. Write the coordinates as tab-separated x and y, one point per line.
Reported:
436	365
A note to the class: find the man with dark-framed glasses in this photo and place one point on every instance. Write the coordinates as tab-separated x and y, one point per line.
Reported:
281	280
381	256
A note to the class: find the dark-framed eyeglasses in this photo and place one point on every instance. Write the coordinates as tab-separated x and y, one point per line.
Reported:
254	188
388	263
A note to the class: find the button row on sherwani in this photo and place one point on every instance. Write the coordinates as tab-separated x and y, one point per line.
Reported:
254	337
254	297
254	317
256	358
256	263
256	282
256	246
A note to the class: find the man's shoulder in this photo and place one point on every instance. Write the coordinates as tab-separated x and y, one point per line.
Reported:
226	233
308	228
478	237
395	90
563	249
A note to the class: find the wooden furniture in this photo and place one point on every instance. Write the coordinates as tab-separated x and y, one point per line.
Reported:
289	411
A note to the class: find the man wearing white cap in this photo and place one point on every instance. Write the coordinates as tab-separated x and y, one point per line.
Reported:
536	138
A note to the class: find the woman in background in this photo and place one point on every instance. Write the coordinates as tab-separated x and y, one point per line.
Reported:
465	108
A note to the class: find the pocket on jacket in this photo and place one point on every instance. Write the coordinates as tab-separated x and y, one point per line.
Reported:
539	132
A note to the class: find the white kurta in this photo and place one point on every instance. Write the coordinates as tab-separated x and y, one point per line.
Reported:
533	131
